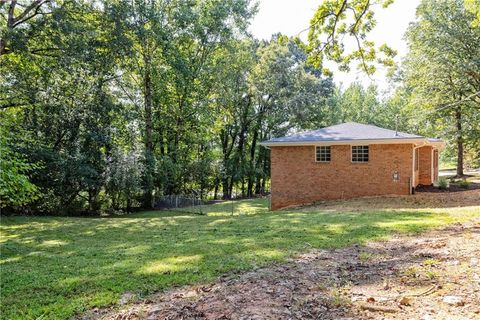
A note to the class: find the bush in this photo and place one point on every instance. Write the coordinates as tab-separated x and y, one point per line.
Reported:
443	183
16	189
464	184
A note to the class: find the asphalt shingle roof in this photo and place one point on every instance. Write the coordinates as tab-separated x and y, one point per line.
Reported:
345	132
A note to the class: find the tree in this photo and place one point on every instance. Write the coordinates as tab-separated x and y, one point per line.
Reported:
16	188
288	95
63	101
442	71
145	23
192	61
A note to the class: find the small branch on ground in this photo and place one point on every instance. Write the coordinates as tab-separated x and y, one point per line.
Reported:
370	307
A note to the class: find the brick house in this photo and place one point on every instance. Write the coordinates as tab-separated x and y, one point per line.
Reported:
349	160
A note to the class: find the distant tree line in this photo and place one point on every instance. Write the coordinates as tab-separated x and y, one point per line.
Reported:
109	105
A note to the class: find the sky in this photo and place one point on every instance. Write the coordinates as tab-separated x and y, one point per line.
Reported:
289	17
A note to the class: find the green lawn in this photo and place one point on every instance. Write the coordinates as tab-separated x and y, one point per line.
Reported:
55	268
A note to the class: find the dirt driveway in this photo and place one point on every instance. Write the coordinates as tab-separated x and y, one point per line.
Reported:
435	275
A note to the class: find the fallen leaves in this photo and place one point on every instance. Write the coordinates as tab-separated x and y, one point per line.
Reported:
405	301
371	307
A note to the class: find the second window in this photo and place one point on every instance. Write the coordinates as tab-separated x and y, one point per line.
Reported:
359	153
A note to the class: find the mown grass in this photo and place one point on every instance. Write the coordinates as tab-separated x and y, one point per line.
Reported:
56	268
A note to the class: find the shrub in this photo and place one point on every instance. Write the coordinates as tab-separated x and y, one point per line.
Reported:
16	188
464	184
443	183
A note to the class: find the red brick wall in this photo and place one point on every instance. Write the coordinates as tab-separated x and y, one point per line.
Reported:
298	179
425	165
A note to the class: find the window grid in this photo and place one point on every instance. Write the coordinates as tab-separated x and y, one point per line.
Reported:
359	153
323	154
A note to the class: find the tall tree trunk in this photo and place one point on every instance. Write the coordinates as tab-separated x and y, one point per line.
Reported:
225	188
3	47
458	119
243	187
250	187
149	155
161	139
227	151
266	171
252	166
129	204
260	164
215	191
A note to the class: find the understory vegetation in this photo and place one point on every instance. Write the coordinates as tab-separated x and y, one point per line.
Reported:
109	105
58	267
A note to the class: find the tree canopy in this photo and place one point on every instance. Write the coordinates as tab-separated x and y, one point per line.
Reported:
441	71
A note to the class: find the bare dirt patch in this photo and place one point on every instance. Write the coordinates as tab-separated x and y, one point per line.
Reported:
435	275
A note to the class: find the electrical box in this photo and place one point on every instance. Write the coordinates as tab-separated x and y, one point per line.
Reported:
396	176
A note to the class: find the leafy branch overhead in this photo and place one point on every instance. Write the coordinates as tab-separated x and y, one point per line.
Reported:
15	13
473	6
339	32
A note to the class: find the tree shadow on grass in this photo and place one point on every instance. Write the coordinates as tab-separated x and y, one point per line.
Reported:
58	267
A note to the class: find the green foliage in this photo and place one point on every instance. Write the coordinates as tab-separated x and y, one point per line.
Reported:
76	264
336	21
473	6
123	176
464	183
16	189
61	79
443	183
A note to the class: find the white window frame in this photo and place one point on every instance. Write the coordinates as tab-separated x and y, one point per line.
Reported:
362	161
329	154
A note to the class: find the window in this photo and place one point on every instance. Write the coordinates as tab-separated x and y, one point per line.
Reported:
322	154
359	153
